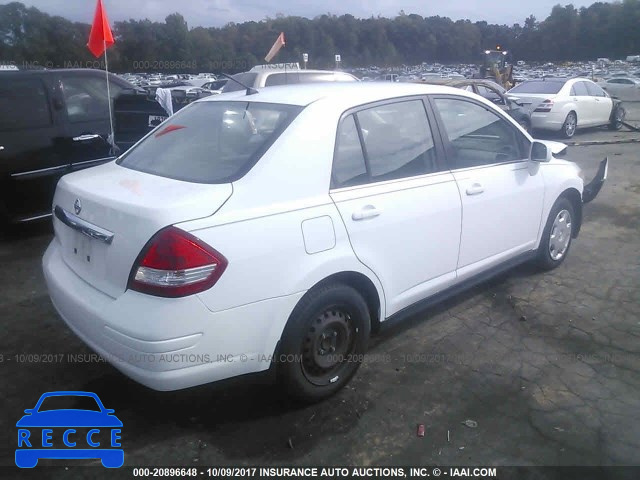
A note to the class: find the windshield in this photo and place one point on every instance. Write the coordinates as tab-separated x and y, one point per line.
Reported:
538	86
211	142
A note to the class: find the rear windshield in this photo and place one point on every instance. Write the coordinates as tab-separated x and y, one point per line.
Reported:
211	142
538	87
248	79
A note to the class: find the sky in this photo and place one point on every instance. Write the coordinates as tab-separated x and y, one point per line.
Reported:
216	13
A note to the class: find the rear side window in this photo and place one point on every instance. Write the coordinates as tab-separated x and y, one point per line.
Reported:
594	90
211	142
396	143
579	89
23	104
349	167
538	86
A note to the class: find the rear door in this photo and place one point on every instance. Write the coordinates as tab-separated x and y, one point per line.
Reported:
32	155
398	201
87	115
502	192
584	103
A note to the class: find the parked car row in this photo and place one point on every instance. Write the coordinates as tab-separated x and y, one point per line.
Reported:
56	121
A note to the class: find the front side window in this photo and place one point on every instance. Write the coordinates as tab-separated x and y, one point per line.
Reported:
478	136
396	143
211	142
23	104
86	97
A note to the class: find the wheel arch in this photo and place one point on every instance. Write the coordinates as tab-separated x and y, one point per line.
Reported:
364	286
575	198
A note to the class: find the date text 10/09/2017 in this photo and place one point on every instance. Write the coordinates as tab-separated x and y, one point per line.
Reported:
321	472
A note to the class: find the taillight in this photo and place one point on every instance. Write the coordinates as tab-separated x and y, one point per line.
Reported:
174	263
545	106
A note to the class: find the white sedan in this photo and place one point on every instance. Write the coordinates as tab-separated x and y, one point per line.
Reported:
564	106
624	88
279	229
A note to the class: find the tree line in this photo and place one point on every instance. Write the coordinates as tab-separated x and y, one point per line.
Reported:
31	37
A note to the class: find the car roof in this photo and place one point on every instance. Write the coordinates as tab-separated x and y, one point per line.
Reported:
347	93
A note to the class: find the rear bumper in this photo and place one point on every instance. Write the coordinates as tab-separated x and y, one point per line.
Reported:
167	344
547	121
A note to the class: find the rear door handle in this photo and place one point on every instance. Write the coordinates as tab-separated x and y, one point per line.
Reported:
475	189
368	211
84	138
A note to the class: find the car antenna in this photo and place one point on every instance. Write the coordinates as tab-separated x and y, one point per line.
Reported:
250	91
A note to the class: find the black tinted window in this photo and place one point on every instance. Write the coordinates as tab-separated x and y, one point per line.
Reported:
538	86
348	166
211	142
247	79
86	97
398	140
23	104
478	136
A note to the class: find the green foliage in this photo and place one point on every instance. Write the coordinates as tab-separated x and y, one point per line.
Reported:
601	30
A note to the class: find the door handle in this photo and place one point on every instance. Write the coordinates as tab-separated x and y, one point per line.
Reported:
84	138
475	189
368	211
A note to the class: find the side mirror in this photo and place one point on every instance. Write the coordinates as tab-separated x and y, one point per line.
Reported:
540	152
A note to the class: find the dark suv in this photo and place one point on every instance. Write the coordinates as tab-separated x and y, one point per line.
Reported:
51	122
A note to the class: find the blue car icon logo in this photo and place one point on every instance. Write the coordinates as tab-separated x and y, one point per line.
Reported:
86	431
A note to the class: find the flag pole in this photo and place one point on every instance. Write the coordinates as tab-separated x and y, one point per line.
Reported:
106	69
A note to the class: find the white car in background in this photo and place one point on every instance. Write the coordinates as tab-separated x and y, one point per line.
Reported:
624	88
279	228
566	105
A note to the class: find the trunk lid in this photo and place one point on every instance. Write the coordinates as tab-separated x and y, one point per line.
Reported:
132	206
530	101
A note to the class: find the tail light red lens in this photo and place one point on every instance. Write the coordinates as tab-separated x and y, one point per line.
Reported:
174	263
545	106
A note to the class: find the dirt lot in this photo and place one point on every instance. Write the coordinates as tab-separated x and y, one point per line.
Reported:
548	365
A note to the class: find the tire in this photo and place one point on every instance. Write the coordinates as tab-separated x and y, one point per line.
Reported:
323	343
570	125
619	115
557	235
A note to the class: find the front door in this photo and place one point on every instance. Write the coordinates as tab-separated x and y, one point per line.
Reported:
502	192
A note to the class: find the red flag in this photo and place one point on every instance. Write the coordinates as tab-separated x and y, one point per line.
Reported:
276	47
100	37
